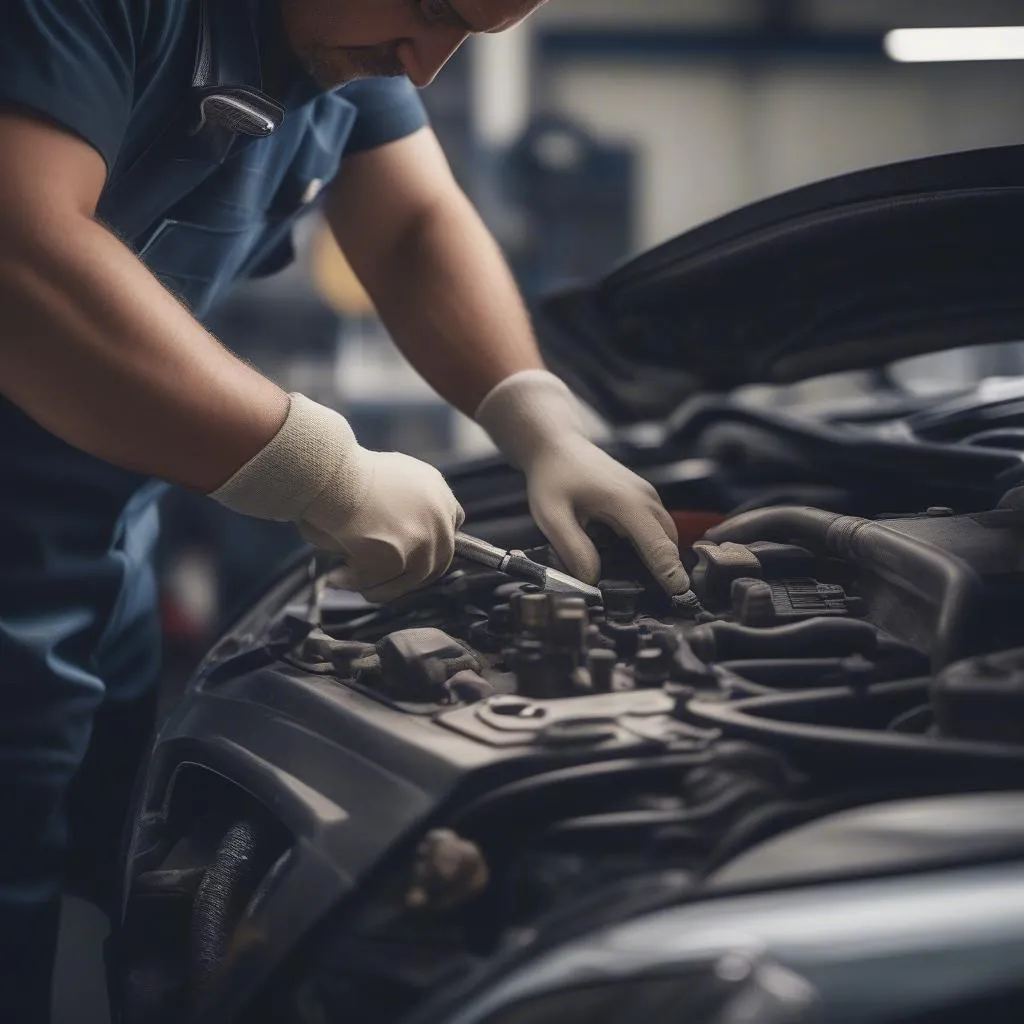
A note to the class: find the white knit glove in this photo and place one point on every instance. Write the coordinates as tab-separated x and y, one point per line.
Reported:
534	420
391	517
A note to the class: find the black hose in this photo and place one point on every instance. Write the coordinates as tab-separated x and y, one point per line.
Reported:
785	524
234	873
775	674
935	578
814	638
758	720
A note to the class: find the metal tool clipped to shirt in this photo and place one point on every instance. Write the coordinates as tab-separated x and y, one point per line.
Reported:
236	109
517	565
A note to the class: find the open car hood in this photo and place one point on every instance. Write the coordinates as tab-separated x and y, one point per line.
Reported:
848	273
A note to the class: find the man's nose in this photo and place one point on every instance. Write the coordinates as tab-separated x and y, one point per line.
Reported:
424	55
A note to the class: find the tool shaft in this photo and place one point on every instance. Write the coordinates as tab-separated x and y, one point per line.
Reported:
480	551
515	563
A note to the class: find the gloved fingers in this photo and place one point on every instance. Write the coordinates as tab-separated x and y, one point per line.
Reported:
668	524
370	568
376	589
443	550
344	577
656	545
646	499
320	538
390	590
422	566
424	561
576	550
416	578
433	556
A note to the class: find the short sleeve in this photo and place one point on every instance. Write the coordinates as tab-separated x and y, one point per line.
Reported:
387	109
73	62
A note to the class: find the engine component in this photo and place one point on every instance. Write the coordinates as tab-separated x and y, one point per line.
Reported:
601	665
238	866
485	766
814	638
922	593
620	598
448	871
419	665
718	565
795	600
982	698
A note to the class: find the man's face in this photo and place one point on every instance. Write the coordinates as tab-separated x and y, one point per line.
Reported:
339	41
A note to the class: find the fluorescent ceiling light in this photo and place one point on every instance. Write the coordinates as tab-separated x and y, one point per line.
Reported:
912	45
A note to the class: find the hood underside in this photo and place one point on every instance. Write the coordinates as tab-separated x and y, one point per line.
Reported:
845	274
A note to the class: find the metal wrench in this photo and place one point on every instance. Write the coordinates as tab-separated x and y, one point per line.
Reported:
517	565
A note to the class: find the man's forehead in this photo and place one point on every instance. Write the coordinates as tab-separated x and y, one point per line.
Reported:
495	15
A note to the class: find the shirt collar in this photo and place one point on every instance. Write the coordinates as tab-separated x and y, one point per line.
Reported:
231	44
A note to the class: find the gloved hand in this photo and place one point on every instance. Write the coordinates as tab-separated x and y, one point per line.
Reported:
534	420
391	517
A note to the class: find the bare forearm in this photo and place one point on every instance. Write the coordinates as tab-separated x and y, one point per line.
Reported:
97	352
447	297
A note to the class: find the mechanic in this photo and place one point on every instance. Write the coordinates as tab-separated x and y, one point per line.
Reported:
128	204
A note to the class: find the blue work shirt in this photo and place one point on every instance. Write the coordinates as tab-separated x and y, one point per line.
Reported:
200	211
79	622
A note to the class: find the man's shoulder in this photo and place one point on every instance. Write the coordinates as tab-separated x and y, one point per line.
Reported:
132	28
84	64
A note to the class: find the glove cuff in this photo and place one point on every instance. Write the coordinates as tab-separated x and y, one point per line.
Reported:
527	413
315	448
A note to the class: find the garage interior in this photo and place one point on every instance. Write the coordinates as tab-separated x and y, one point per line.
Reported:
591	133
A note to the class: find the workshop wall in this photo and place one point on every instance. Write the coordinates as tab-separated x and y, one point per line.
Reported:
657	12
924	13
711	138
826	13
715	131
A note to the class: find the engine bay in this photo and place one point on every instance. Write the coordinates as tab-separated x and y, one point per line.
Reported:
487	804
791	598
488	766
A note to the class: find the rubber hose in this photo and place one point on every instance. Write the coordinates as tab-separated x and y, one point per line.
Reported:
231	878
933	576
782	524
815	638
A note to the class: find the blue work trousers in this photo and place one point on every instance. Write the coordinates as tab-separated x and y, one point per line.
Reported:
79	662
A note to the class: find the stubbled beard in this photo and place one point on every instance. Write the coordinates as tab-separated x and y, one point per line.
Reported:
333	66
